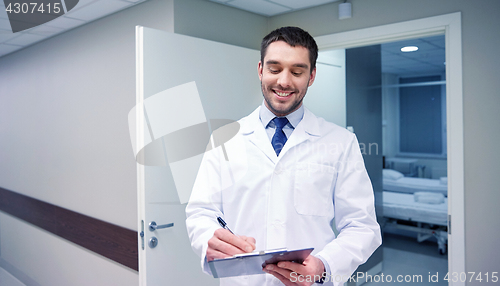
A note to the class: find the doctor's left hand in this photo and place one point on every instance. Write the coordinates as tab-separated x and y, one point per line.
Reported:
291	273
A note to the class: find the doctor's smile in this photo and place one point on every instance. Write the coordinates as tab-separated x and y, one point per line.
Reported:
282	94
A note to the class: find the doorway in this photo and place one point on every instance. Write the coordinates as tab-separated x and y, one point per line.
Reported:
450	26
396	104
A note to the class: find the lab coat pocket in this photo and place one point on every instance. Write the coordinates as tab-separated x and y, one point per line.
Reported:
313	189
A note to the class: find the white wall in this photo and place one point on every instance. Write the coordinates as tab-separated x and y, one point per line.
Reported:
481	65
49	260
64	140
212	21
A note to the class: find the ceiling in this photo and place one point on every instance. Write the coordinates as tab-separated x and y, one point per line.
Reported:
273	7
90	10
428	59
84	12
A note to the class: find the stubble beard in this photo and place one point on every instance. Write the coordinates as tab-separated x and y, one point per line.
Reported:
274	109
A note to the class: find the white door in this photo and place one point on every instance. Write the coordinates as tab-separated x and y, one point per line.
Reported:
212	81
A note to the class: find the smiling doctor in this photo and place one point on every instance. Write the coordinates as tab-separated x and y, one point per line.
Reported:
282	180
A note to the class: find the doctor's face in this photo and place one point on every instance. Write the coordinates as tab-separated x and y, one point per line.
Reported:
285	76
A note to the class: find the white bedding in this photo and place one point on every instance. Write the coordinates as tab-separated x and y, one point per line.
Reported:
413	185
403	206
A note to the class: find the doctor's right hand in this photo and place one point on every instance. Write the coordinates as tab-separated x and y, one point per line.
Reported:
225	244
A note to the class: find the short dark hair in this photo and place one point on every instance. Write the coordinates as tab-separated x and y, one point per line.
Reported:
294	36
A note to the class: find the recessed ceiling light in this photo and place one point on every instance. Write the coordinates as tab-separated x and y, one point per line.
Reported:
409	49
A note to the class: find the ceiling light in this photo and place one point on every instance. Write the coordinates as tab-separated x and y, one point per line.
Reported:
409	49
345	10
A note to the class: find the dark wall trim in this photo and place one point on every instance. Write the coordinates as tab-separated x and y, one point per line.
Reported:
114	242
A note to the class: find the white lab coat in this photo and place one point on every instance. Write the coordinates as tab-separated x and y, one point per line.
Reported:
288	201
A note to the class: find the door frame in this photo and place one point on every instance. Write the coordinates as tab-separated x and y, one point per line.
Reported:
450	25
139	142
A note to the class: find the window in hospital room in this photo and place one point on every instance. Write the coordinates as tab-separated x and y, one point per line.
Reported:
422	117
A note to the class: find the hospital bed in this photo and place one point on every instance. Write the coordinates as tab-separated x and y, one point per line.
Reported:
421	208
395	181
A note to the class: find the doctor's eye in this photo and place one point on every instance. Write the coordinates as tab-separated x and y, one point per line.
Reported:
274	69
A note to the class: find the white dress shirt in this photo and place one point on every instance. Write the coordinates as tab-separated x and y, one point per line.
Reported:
266	117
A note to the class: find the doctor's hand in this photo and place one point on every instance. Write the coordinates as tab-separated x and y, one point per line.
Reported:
291	273
225	244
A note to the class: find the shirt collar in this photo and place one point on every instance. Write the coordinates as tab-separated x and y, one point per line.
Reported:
294	118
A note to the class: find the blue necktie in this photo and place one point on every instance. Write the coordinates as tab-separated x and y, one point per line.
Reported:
279	138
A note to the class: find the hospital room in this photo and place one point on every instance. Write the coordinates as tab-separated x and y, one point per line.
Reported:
415	81
415	183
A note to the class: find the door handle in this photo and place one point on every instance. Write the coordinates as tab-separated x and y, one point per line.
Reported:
153	226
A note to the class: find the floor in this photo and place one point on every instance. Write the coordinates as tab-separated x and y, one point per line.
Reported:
411	263
6	279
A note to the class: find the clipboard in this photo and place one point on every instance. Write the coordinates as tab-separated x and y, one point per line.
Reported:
252	263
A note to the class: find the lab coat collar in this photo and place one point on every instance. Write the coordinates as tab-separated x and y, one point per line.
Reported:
309	123
252	127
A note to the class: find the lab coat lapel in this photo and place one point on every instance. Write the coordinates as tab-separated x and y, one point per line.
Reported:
253	129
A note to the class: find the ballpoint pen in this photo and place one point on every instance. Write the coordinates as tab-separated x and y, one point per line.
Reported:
224	224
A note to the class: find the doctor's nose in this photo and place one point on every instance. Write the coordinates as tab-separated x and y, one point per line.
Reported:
284	80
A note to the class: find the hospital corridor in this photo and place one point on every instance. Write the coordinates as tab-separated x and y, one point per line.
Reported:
94	189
